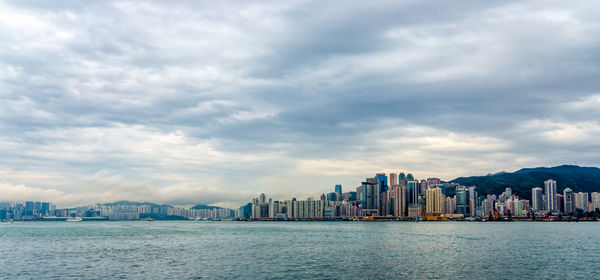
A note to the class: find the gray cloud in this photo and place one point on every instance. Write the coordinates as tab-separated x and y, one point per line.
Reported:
289	98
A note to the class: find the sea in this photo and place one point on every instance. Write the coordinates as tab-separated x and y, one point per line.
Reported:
299	250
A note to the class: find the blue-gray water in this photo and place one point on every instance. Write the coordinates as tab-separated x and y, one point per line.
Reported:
299	250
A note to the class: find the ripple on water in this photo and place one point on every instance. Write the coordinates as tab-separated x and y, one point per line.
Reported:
321	250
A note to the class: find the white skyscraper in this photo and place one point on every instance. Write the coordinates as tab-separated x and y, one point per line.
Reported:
595	201
581	201
550	189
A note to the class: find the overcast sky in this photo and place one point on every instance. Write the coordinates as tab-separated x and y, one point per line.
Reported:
215	102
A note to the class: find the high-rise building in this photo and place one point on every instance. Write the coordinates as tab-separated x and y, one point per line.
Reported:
423	186
472	201
29	208
338	189
413	192
569	201
333	196
402	179
434	201
370	197
581	201
393	179
45	209
537	199
550	190
463	205
262	198
400	200
450	205
595	201
385	207
382	180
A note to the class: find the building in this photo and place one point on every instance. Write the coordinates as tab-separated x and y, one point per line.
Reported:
393	179
569	201
370	197
434	201
595	201
550	191
413	192
338	189
463	206
400	201
473	201
581	202
537	199
382	180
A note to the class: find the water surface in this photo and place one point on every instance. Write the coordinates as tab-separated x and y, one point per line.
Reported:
299	250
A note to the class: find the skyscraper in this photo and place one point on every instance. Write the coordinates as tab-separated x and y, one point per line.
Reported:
262	198
595	201
568	201
537	199
400	200
370	197
434	201
550	190
402	179
338	189
383	184
463	206
472	201
423	186
413	192
393	179
581	201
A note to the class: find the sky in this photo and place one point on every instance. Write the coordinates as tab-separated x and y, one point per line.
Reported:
214	102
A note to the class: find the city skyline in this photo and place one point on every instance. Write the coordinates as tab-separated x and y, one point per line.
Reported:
203	102
393	196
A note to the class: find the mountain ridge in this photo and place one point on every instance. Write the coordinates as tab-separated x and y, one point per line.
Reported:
578	178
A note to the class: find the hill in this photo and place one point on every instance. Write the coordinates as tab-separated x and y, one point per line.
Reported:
580	179
202	206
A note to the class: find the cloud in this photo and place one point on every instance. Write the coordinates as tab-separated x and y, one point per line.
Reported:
288	98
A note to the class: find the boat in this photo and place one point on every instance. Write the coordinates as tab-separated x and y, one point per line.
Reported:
149	219
74	219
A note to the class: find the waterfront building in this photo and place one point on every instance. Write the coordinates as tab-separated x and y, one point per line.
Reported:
559	202
550	191
537	199
370	197
463	206
595	201
472	201
413	192
569	201
415	211
450	205
581	201
262	198
434	201
399	193
385	208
